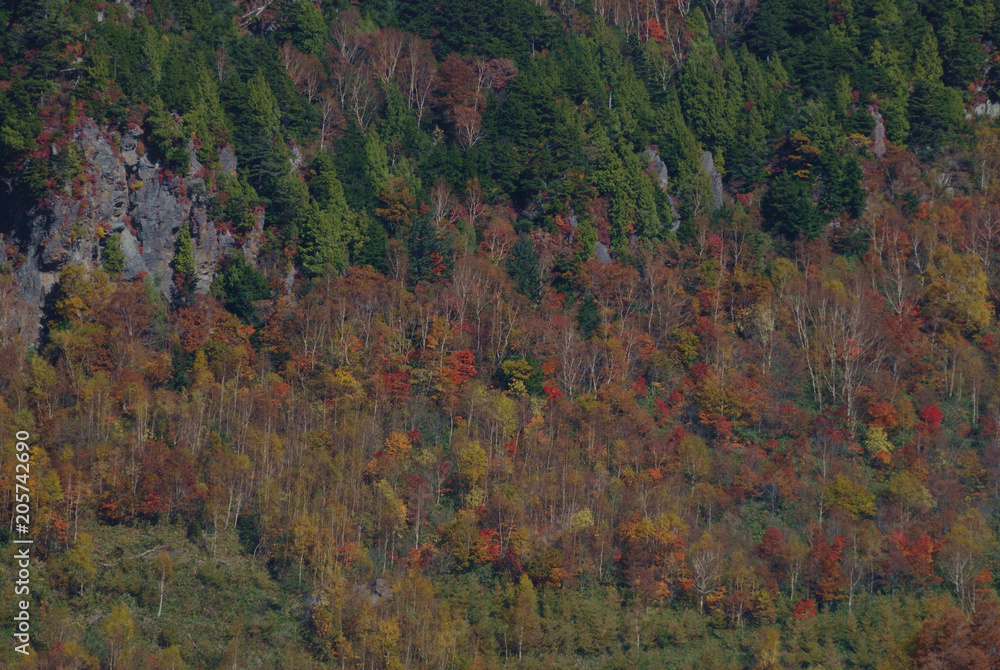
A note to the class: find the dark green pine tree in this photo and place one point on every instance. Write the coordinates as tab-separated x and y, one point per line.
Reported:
113	258
261	133
166	136
351	169
267	159
430	255
400	130
205	117
235	201
842	185
307	28
788	208
239	287
329	227
755	111
524	269
708	109
262	153
960	48
588	316
183	264
372	250
647	223
376	161
613	181
677	145
935	110
586	241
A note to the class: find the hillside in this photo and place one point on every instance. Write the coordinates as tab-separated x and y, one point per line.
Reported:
502	334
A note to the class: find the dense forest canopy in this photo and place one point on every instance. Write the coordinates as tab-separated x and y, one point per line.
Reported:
608	334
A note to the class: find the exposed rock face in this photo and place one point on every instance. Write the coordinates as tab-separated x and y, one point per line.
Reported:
878	135
708	167
124	192
985	108
227	158
659	169
603	253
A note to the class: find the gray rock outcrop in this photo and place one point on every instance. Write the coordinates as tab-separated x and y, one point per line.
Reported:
659	169
878	134
708	167
121	191
603	253
985	108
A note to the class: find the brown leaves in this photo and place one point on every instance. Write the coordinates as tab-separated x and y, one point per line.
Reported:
464	84
950	640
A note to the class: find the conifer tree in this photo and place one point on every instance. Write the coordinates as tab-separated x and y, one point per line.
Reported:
523	268
113	259
376	161
707	106
263	146
205	117
330	226
677	145
430	256
927	61
787	207
183	262
934	110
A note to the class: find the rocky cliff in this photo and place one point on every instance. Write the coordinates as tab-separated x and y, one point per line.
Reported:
120	191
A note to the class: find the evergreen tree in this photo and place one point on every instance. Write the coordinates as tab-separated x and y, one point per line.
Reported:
961	33
755	105
234	202
329	226
788	209
892	87
677	145
523	268
586	241
927	61
613	181
205	117
166	135
934	110
430	256
707	106
352	169
588	316
183	262
307	28
647	223
842	185
239	287
372	250
113	258
263	147
376	161
400	129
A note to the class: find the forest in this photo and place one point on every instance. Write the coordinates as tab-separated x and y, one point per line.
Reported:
545	334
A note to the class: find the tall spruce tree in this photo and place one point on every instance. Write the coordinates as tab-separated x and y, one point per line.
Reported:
524	269
330	227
